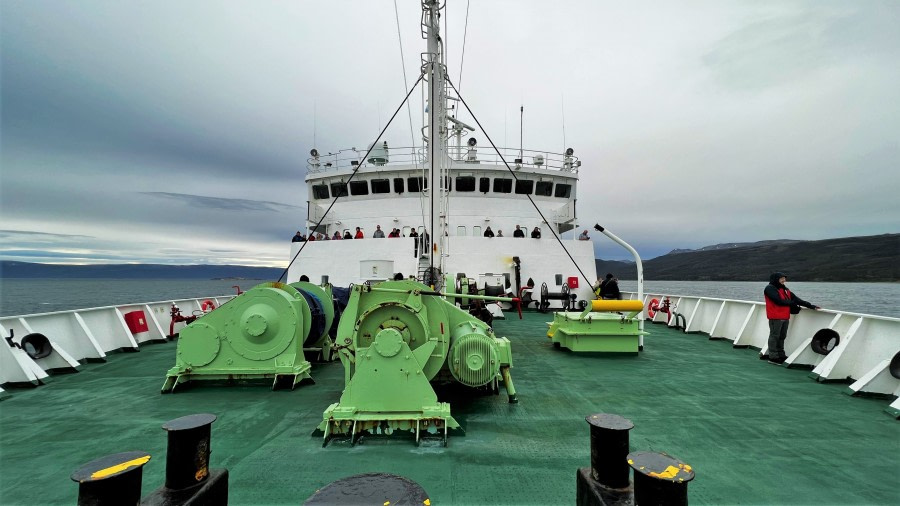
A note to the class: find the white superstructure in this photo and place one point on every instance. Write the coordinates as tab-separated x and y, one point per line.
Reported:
458	191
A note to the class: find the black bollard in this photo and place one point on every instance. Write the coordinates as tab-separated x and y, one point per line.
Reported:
609	447
187	454
659	478
188	477
111	480
370	488
606	481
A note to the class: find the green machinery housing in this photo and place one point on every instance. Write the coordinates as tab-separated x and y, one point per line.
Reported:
260	334
606	326
396	338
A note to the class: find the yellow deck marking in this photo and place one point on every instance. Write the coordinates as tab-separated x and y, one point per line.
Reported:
670	472
103	473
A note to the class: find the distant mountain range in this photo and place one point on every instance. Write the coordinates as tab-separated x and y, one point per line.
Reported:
870	258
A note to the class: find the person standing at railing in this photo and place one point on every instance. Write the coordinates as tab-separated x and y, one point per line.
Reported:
518	232
584	236
536	233
781	303
359	234
378	234
488	232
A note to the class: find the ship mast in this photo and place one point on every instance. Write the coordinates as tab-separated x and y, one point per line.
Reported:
437	147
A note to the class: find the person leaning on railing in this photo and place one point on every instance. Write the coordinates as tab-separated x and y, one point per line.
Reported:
781	303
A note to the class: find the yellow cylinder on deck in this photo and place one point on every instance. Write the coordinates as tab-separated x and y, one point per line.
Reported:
617	305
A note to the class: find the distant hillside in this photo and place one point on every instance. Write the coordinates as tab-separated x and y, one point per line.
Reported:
135	271
730	245
870	258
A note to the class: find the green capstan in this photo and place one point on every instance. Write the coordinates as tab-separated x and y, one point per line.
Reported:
260	334
394	339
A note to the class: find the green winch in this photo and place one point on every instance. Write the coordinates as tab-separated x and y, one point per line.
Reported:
394	339
260	334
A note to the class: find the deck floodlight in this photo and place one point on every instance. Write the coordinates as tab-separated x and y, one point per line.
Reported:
472	142
314	152
570	151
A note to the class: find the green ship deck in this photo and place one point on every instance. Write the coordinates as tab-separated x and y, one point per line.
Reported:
754	433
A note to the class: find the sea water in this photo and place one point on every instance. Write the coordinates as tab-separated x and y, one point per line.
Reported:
29	296
880	299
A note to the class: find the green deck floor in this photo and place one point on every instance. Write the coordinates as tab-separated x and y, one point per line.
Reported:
754	433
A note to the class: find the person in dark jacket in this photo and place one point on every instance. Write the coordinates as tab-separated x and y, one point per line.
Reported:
780	303
536	233
298	237
608	289
488	232
518	232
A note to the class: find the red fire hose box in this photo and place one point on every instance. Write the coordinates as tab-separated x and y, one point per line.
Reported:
136	322
573	282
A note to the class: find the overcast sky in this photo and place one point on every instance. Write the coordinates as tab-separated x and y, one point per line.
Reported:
177	132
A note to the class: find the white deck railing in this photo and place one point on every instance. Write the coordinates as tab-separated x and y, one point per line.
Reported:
867	343
85	334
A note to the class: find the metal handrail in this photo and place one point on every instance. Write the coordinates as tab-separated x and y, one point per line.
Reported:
532	159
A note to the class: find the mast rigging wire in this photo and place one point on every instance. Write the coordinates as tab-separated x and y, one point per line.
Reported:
555	235
412	135
352	175
462	59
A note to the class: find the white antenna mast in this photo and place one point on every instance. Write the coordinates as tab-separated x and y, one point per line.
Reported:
436	127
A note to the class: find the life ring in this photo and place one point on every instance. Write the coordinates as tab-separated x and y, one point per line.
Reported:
207	305
652	308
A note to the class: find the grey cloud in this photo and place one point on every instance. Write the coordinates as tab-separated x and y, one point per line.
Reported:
779	49
117	116
38	236
225	204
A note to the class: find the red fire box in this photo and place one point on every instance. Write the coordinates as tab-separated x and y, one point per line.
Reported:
573	282
136	322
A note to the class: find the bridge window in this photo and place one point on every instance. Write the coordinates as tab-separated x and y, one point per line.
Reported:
320	191
460	230
416	184
484	184
502	185
476	231
563	191
406	230
398	184
359	187
339	189
465	184
543	188
381	186
524	186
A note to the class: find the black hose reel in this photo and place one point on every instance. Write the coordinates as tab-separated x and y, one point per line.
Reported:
824	341
547	296
35	345
894	368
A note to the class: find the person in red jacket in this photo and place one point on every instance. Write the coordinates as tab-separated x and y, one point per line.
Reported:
780	303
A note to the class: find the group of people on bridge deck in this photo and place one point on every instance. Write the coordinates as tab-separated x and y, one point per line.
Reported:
378	234
535	233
